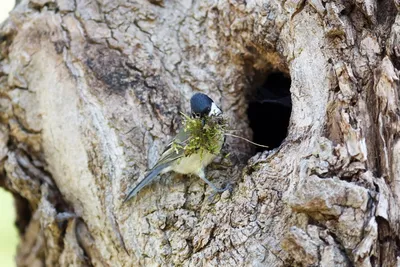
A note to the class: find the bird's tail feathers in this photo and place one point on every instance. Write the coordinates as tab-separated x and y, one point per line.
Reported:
150	176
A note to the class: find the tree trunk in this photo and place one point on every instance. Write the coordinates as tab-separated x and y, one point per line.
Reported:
91	91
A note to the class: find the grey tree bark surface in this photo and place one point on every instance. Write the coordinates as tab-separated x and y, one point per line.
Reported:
91	91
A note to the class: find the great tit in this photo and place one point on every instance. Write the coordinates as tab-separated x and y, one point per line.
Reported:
174	159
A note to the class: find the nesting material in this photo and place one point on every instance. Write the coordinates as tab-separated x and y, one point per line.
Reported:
205	135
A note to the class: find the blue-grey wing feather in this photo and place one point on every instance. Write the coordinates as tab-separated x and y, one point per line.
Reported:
171	153
168	157
151	175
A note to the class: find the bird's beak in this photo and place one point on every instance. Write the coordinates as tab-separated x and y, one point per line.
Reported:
215	110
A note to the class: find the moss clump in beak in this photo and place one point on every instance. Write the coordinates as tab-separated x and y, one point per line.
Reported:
206	135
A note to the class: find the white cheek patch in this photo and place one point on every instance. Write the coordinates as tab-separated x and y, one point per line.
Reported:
215	110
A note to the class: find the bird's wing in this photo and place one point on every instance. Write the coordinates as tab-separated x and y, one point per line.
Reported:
169	155
172	153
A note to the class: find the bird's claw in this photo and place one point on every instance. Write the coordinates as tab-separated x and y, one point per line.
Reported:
220	190
227	187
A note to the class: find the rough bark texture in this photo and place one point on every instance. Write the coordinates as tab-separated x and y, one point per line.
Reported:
90	91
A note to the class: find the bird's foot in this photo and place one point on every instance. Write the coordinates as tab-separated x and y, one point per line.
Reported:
227	187
219	190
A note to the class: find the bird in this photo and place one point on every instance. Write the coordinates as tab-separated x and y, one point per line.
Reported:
174	158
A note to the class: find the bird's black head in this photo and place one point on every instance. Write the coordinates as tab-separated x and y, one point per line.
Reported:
202	105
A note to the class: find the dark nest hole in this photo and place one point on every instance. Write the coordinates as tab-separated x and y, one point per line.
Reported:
269	109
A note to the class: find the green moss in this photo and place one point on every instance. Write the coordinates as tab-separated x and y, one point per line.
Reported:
205	134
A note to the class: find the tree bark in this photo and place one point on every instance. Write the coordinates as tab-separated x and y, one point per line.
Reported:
91	91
